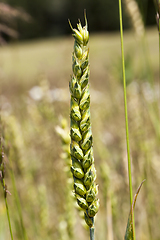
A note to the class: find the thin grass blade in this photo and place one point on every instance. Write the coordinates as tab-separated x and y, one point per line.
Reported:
129	235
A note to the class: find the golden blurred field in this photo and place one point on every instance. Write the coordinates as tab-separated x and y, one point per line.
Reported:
34	78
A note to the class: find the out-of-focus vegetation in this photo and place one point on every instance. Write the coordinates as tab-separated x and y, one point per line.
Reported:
34	94
49	17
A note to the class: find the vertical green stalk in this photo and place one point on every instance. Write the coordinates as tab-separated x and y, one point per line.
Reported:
126	115
8	216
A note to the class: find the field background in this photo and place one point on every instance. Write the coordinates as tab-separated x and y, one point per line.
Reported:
34	78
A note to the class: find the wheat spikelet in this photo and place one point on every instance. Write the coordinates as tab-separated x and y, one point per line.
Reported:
82	168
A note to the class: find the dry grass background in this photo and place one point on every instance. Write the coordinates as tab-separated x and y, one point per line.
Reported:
33	148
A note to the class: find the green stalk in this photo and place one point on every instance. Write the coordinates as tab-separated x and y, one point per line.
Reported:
126	115
7	210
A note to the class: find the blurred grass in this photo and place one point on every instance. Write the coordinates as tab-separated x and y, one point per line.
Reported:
34	147
24	62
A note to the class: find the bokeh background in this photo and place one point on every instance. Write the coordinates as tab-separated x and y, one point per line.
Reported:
49	18
35	68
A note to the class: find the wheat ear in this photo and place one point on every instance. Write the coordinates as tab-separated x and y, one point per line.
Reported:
81	149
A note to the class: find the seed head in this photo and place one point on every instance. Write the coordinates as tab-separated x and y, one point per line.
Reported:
83	170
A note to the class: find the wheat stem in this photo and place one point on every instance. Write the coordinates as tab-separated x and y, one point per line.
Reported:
8	217
126	114
92	231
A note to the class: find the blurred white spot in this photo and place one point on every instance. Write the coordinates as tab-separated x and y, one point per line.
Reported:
150	93
36	93
62	225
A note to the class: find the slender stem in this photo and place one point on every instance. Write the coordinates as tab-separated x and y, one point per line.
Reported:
8	216
126	114
92	231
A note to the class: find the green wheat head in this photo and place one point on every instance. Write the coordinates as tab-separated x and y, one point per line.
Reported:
82	168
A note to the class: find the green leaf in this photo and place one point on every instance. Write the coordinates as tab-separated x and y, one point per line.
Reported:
129	230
